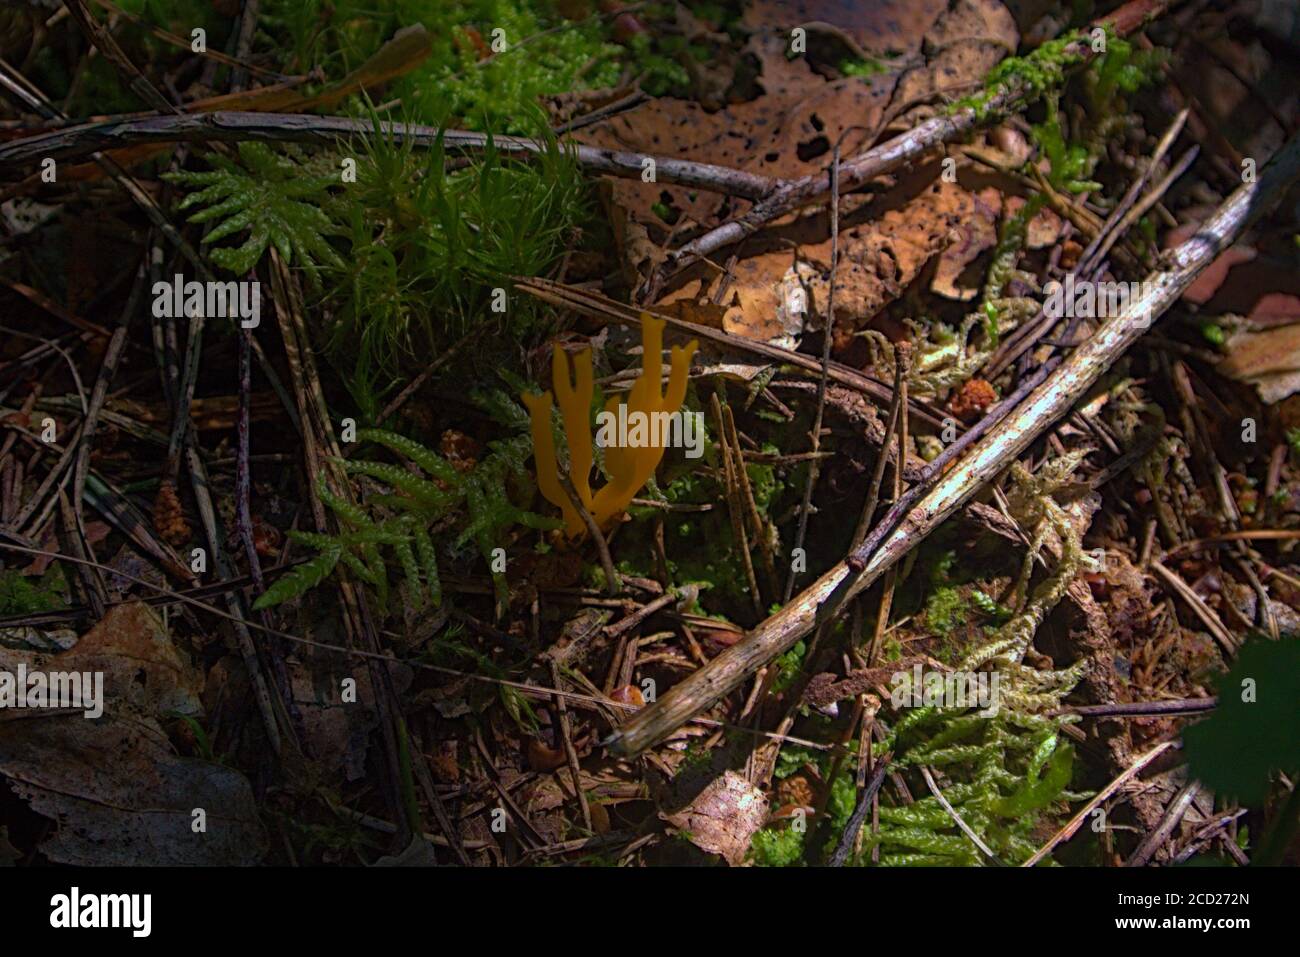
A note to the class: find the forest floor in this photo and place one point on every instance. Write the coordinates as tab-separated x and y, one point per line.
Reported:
331	379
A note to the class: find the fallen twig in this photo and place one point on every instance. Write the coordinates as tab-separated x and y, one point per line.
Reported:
850	835
90	139
1067	832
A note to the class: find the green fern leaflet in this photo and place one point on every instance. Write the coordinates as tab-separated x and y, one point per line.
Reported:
271	197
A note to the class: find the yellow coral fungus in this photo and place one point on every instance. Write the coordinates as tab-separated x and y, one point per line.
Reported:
632	456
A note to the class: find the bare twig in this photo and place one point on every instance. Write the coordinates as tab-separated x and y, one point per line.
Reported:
731	463
828	334
957	818
1141	709
850	835
892	154
1212	622
88	139
606	310
1173	814
1067	832
613	584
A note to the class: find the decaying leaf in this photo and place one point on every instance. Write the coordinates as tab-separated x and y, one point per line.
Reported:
114	784
924	49
121	796
723	817
1268	360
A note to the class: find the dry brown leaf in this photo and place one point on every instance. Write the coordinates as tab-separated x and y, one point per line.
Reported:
723	817
975	233
142	669
419	853
1275	309
1268	360
116	787
789	131
121	796
961	47
879	28
337	732
700	313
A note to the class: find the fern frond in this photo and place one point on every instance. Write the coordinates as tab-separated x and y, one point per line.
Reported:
423	491
299	580
272	198
426	458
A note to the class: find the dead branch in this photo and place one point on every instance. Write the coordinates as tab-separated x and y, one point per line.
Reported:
87	139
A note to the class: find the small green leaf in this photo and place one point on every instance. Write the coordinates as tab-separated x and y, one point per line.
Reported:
1255	731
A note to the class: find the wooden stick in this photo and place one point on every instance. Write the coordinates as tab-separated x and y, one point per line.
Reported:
86	139
1067	832
1047	404
1213	624
604	309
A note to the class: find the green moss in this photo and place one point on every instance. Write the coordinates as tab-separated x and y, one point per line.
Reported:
788	666
946	605
945	609
1030	76
784	845
20	595
863	68
427	247
662	73
700	548
777	847
990	607
1069	163
457	79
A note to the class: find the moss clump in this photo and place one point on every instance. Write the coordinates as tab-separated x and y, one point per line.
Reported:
785	845
946	606
945	609
408	255
428	248
777	847
863	68
469	75
705	553
19	595
989	606
788	666
1030	77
